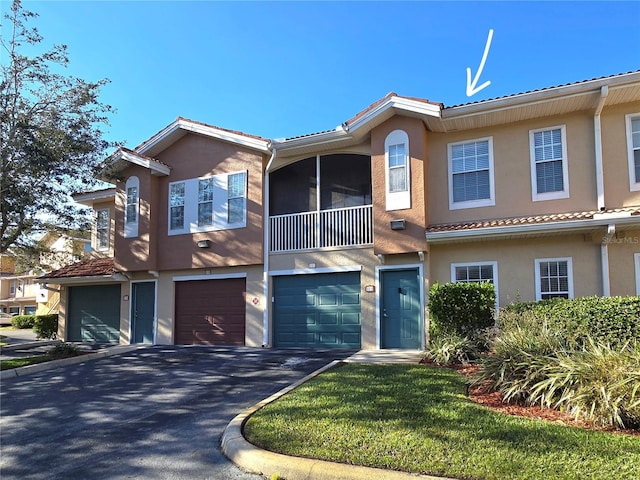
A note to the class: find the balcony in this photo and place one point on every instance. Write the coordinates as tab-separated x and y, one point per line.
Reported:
340	227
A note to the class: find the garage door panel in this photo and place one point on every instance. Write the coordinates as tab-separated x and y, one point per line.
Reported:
210	312
94	313
330	315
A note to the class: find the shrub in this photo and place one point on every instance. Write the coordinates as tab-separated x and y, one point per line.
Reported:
64	350
461	308
607	320
598	383
451	349
46	326
519	355
23	321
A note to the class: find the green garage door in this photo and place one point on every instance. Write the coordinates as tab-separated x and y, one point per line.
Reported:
94	314
321	310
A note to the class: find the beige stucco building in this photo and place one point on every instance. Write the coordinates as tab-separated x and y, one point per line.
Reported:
333	239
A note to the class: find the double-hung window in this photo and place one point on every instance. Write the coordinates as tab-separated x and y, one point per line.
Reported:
397	167
176	206
476	273
205	202
102	229
554	278
12	288
471	174
236	197
131	212
549	166
633	148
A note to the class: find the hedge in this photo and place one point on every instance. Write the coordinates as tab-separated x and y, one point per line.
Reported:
23	321
46	326
609	320
461	308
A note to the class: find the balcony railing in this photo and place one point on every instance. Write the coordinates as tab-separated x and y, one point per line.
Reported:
341	227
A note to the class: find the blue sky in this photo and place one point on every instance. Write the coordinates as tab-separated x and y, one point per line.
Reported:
281	69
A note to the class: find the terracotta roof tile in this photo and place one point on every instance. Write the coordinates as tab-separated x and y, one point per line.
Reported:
88	268
384	99
530	220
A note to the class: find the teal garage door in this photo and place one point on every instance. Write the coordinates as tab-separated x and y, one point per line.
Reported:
94	314
317	311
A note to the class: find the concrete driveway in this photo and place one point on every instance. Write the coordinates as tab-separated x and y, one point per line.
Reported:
155	413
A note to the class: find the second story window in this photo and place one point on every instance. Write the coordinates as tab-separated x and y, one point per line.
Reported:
397	167
236	194
12	288
102	229
131	212
176	206
471	174
633	147
549	168
205	202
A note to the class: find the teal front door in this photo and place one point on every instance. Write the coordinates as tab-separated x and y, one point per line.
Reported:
143	311
400	312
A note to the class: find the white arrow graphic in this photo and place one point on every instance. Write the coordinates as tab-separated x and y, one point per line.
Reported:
471	86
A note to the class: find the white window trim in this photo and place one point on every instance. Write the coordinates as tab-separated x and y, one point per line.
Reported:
485	202
569	261
636	258
131	228
12	288
538	197
494	265
397	200
95	231
633	185
220	205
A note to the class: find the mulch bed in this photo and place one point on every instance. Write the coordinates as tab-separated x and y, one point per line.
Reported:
491	399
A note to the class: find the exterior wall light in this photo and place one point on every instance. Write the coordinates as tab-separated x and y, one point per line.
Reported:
398	224
203	243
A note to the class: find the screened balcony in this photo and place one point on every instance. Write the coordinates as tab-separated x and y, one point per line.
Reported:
321	202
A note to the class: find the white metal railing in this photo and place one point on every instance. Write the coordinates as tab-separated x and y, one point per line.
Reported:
341	227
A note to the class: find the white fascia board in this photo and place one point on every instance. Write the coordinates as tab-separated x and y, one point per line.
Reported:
591	87
406	104
317	139
155	167
90	198
206	130
550	227
116	278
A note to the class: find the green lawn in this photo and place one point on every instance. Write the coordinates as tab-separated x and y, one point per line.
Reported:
23	361
418	419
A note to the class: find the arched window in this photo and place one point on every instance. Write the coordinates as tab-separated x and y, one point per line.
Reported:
398	176
132	207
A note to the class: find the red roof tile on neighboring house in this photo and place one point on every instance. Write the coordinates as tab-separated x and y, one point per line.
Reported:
97	267
536	219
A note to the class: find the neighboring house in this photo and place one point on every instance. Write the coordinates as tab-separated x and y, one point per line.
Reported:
332	239
20	294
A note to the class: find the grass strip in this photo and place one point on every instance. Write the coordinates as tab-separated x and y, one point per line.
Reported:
418	419
23	361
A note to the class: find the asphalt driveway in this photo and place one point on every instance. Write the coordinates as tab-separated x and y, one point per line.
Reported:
154	413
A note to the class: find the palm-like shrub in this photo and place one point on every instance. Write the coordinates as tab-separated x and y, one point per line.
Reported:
452	349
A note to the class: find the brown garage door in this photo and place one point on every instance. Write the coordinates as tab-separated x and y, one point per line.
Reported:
210	312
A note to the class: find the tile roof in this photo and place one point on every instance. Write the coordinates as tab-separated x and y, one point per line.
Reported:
530	220
543	89
384	99
97	267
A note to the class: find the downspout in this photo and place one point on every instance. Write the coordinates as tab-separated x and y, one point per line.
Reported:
604	91
265	251
604	255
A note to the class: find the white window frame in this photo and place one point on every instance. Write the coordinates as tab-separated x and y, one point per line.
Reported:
492	263
12	288
483	202
564	193
209	200
242	196
634	185
220	205
175	231
539	261
131	227
98	247
399	200
636	259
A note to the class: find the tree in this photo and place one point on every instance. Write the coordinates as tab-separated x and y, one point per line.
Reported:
51	135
